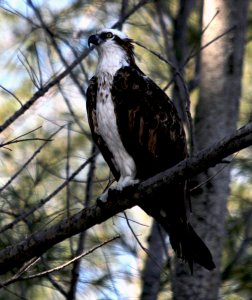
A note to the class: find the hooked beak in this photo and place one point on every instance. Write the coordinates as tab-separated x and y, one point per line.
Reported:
94	39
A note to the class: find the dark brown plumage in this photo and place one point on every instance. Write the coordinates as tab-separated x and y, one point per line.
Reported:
152	134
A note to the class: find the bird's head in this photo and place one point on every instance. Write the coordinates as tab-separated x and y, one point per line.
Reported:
113	47
107	37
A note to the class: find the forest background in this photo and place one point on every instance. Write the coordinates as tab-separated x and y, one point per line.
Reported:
51	247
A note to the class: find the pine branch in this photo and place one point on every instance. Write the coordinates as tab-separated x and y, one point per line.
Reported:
55	81
40	241
18	276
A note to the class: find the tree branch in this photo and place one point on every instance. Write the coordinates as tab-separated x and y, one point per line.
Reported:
43	90
40	241
18	276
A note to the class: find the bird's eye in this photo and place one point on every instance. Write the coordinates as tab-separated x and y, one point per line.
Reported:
109	35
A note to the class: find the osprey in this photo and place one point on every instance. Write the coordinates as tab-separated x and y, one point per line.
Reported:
137	129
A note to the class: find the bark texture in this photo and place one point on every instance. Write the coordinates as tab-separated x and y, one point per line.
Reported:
176	52
216	116
154	263
39	242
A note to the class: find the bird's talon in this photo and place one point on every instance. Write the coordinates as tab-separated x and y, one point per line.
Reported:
102	198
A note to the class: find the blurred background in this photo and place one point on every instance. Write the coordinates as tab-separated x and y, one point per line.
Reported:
200	53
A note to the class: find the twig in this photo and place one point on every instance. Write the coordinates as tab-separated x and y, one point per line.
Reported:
201	33
40	241
210	22
110	275
32	74
12	94
54	282
18	275
135	236
59	268
214	175
68	154
55	45
29	160
135	8
81	242
75	53
13	11
140	244
124	5
188	114
42	91
17	139
23	140
46	199
24	134
70	108
39	67
156	54
133	221
208	44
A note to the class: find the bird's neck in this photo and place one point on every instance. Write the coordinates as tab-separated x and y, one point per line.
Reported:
111	59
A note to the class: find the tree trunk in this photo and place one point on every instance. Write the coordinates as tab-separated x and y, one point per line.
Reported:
180	41
152	272
216	116
154	263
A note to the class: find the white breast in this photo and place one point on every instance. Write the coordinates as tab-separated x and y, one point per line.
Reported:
106	120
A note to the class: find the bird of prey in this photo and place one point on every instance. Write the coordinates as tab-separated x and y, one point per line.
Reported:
139	133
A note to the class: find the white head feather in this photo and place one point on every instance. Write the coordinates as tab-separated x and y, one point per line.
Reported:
111	56
119	33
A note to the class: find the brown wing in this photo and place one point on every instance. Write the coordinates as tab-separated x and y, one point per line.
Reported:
92	120
148	123
153	135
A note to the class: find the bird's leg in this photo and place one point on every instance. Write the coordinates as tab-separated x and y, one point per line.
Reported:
125	181
122	183
103	197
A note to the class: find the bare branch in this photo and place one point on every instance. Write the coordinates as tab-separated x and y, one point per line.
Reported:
59	268
135	8
31	72
40	77
134	234
155	261
42	202
20	272
55	45
29	160
215	174
42	91
81	242
208	44
23	140
40	241
13	95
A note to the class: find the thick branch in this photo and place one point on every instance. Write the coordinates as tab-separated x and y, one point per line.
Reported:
41	241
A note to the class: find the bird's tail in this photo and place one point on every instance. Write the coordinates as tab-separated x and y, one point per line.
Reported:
172	216
189	246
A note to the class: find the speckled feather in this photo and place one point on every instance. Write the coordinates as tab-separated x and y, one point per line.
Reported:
148	123
152	134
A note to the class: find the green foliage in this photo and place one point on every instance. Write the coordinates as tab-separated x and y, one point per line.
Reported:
28	60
